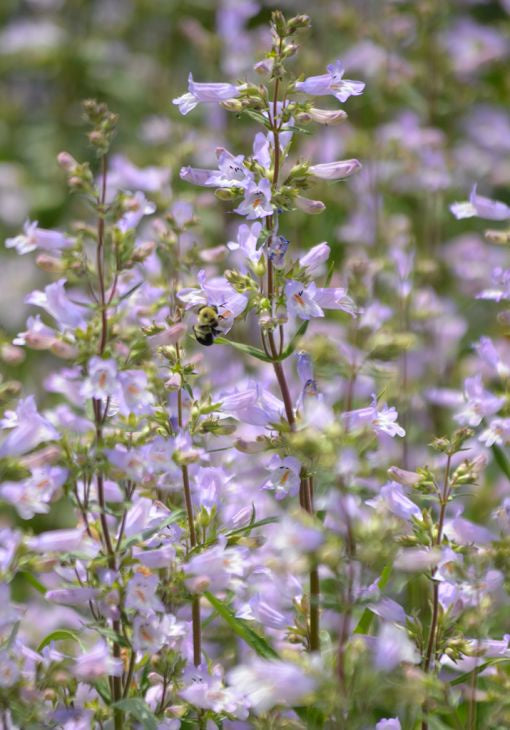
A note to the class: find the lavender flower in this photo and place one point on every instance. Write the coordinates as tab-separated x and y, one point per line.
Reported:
308	301
56	302
246	242
96	663
331	83
34	237
482	207
284	479
257	200
381	420
27	429
392	723
266	684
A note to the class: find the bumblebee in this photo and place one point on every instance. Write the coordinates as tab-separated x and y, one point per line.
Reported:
206	328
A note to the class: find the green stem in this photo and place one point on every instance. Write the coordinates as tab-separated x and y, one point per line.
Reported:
431	645
306	483
99	418
195	605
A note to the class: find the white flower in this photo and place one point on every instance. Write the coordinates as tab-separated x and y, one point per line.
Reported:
285	476
269	683
9	670
257	200
246	243
102	379
141	594
301	300
205	93
34	237
498	432
231	171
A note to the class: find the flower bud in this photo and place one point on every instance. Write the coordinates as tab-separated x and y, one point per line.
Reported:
168	353
226	193
264	67
95	137
63	350
240	282
499	237
49	263
279	23
337	170
66	161
299	22
153	677
11	354
323	116
213	255
290	49
250	447
504	317
233	105
143	250
199	583
406	478
312	207
259	268
174	382
38	341
10	389
281	315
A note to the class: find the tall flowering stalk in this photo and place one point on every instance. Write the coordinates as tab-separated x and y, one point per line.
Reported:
267	191
103	126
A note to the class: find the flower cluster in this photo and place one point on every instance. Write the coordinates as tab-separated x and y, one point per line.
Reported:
224	506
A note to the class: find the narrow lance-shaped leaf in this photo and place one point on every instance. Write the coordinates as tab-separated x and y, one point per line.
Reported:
136	707
241	628
247	349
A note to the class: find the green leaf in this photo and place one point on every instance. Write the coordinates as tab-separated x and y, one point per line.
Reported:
251	526
9	641
34	582
58	635
137	707
467	676
367	616
294	341
234	533
247	349
242	629
146	534
435	723
329	275
102	689
257	116
188	724
501	460
131	291
311	716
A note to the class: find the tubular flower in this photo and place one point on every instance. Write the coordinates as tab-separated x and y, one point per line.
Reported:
205	93
331	83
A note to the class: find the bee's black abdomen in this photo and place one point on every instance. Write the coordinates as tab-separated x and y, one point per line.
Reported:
204	338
